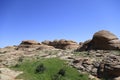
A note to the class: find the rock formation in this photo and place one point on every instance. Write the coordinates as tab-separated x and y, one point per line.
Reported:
62	44
42	47
109	67
102	40
33	45
29	44
105	40
100	56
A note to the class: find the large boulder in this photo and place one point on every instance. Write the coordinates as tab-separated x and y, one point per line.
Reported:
102	40
105	40
103	34
62	44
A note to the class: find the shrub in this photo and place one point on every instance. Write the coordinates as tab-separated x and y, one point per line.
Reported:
17	65
61	72
56	77
40	68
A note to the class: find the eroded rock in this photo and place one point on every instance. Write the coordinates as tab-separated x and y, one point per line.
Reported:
109	67
102	40
62	44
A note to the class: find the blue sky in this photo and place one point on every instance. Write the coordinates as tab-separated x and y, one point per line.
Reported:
56	19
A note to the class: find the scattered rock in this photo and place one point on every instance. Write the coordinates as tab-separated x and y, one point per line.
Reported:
91	77
93	71
99	55
109	67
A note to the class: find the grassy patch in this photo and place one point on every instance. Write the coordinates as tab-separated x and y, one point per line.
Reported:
54	69
83	53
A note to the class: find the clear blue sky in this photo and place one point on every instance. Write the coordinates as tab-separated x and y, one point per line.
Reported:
56	19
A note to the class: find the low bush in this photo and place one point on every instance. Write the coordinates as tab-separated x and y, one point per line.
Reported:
40	68
61	72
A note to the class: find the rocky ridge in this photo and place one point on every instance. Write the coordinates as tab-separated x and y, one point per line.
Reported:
62	44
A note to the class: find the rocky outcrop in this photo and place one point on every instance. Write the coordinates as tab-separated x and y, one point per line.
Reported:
45	47
71	46
33	45
8	49
100	63
105	40
102	40
109	67
84	46
62	44
29	44
46	42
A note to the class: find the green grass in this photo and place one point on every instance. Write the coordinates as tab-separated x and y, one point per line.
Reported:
52	67
83	53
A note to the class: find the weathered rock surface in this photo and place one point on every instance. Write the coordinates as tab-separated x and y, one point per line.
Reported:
33	45
62	44
105	40
102	40
28	44
100	63
84	46
7	49
46	47
110	67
